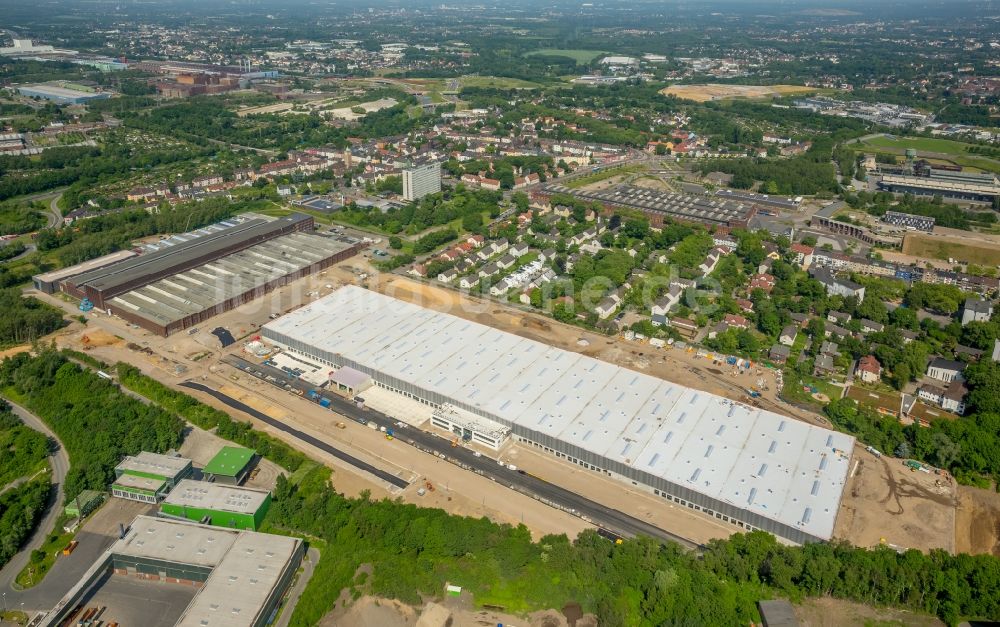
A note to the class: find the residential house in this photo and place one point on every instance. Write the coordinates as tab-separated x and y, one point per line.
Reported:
868	369
547	255
744	304
762	282
501	288
823	365
736	321
468	282
448	276
800	319
779	353
973	354
506	261
870	326
946	370
488	270
606	307
976	310
908	336
518	249
837	332
834	285
684	325
802	255
838	317
787	336
951	398
829	348
668	301
711	260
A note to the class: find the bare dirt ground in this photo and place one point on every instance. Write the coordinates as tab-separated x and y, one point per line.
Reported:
977	524
370	611
830	612
200	447
650	182
715	91
886	502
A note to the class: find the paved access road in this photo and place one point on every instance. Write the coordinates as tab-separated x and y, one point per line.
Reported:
299	435
59	462
536	487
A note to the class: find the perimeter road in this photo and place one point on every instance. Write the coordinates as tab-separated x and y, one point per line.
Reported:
305	437
536	487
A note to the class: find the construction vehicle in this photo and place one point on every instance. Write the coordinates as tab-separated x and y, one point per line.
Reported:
429	486
454	442
70	547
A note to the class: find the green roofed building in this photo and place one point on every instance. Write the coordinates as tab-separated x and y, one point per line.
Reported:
218	505
231	465
147	477
84	503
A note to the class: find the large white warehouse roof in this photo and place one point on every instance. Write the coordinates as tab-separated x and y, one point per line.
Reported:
756	460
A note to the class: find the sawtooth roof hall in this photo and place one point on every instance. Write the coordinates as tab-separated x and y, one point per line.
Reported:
751	466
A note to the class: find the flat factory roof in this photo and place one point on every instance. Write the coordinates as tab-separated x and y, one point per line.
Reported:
160	465
246	566
162	260
757	460
86	266
140	483
229	461
192	291
216	497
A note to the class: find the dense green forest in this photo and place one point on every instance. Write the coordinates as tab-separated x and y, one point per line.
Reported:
22	449
95	421
25	319
810	173
432	210
20	510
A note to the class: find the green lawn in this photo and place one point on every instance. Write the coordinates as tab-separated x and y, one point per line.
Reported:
596	177
499	82
33	573
921	144
582	57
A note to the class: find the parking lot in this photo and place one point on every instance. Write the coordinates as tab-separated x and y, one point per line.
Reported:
130	601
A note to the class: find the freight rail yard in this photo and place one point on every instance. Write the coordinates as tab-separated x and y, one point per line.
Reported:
488	422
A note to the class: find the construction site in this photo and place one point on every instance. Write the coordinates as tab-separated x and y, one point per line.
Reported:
427	475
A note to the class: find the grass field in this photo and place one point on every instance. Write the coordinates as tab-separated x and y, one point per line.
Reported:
590	179
499	82
582	57
936	247
925	146
705	92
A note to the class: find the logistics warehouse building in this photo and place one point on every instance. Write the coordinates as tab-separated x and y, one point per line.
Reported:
179	286
753	468
240	575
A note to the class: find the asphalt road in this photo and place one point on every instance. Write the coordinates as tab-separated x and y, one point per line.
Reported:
308	565
536	487
305	437
59	461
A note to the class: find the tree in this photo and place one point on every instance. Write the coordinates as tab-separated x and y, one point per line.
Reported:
395	242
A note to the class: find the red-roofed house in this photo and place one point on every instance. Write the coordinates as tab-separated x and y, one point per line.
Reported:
762	282
736	321
868	370
803	255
